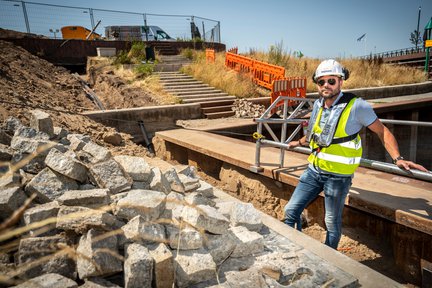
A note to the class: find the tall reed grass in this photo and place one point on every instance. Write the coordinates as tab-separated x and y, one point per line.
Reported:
363	73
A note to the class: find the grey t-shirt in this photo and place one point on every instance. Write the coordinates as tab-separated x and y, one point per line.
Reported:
362	115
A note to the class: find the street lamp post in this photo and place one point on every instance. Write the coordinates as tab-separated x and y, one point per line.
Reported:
54	31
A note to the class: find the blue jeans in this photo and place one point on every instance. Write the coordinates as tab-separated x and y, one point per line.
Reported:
335	191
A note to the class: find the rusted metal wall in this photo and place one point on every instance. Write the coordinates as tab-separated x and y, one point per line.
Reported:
75	52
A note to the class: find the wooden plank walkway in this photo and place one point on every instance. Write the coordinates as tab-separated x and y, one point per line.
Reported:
399	199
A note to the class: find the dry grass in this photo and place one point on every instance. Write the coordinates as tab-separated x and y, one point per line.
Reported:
220	77
363	73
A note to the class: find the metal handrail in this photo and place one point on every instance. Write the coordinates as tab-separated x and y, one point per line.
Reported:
282	143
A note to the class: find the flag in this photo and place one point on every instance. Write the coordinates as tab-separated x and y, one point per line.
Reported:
361	37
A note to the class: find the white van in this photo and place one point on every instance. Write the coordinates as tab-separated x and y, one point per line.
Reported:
137	33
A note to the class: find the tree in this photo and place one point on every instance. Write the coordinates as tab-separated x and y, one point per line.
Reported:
415	38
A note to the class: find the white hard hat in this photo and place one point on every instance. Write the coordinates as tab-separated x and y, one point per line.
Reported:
330	67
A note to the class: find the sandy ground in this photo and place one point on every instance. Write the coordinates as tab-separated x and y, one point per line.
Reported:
28	82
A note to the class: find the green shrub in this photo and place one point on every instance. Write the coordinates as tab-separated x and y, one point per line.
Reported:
137	52
122	58
144	70
188	53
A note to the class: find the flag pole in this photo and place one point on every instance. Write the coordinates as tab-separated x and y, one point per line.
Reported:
364	46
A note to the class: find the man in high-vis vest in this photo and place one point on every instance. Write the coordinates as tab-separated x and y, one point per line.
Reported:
333	136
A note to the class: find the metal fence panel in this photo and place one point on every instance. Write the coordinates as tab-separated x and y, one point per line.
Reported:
46	19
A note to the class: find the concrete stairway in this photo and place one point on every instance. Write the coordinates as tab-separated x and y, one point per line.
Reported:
214	102
171	63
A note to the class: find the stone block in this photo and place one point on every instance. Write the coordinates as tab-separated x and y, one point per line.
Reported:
47	251
138	267
94	198
97	282
244	214
101	255
11	125
187	170
6	154
190	184
10	200
5	139
163	265
28	163
225	208
50	280
77	141
159	182
110	175
206	218
174	180
185	239
10	180
40	213
41	121
205	189
61	133
97	153
247	242
48	185
195	198
142	231
81	219
174	206
65	165
147	203
140	185
28	140
193	266
136	167
220	247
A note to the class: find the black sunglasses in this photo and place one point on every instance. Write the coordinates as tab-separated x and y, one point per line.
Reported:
331	81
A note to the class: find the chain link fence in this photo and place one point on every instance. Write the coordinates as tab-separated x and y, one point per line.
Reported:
48	19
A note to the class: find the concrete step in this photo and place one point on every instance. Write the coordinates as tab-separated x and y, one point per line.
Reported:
198	92
180	82
217	109
217	115
174	77
206	99
203	88
217	103
197	96
174	87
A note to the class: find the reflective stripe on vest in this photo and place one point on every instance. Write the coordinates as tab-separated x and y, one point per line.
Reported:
342	158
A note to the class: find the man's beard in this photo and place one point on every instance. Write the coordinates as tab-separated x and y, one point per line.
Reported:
334	93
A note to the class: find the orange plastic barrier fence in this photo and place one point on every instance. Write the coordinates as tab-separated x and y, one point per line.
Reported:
233	50
210	55
239	63
291	86
264	74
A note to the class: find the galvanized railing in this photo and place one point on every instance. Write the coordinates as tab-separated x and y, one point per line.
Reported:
283	141
395	53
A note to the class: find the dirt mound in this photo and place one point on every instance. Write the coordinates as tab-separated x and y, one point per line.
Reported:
5	33
115	93
28	82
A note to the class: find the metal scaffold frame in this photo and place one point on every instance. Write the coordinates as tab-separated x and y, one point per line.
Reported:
294	118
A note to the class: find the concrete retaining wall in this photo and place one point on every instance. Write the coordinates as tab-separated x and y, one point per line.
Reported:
155	118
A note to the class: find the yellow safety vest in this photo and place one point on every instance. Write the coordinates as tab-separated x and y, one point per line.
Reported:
340	158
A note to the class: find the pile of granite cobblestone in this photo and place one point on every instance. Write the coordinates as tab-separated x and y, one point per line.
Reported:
74	215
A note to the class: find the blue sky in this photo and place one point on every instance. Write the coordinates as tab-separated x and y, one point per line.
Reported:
317	28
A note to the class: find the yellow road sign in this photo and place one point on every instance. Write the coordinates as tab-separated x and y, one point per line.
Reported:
428	43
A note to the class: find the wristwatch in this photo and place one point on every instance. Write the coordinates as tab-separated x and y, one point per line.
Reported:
397	159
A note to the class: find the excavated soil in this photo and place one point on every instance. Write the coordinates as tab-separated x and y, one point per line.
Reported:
28	82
